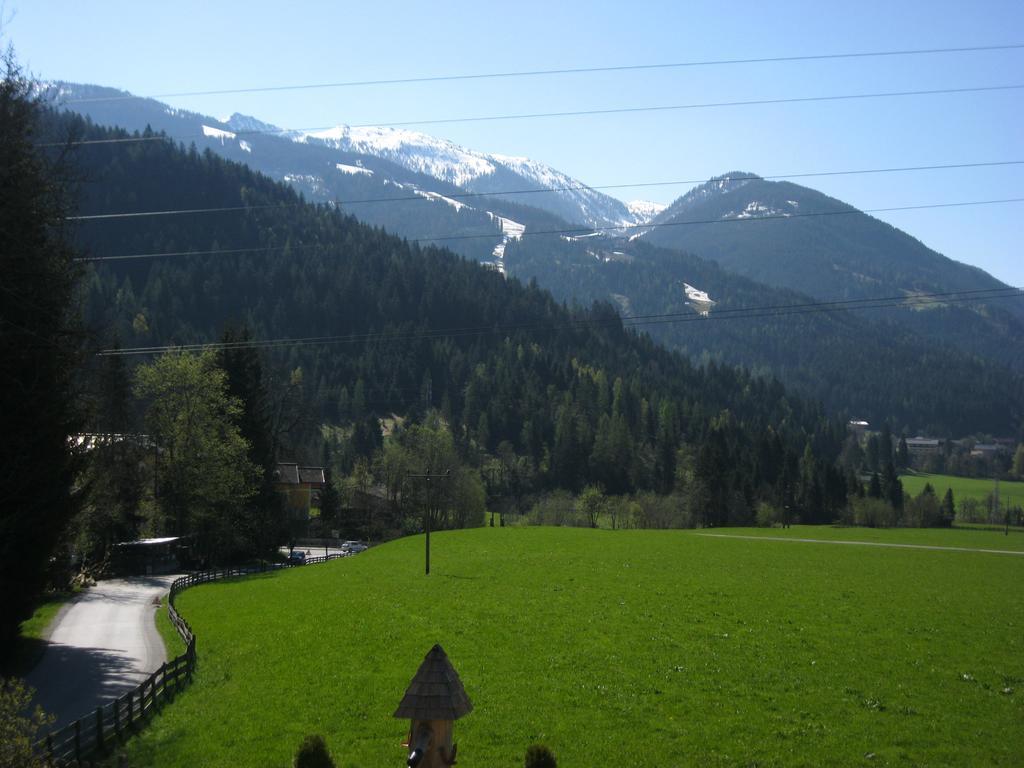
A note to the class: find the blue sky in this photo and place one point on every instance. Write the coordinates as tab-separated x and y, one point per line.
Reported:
151	48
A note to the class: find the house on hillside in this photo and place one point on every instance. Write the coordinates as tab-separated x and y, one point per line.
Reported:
918	447
858	428
300	486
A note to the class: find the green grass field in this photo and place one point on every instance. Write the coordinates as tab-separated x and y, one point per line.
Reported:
964	487
968	537
627	648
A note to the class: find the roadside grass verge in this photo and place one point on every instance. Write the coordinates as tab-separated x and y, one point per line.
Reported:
635	648
172	640
32	637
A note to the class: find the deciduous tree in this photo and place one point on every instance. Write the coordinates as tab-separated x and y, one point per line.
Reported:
205	477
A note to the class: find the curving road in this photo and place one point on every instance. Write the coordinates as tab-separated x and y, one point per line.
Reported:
103	644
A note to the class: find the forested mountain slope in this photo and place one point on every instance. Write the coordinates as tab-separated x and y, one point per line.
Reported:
580	397
786	235
872	364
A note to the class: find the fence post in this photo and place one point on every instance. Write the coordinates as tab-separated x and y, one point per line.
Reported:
116	704
99	729
163	674
78	740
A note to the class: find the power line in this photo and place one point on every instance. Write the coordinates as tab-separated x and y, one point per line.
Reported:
592	112
571	188
676	107
565	71
576	231
948	297
771	217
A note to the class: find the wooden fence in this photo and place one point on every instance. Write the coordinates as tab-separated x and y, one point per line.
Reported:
91	737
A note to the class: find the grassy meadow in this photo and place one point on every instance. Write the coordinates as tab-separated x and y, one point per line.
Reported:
958	538
1010	492
626	648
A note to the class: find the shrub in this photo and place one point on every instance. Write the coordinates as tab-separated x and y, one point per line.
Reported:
874	513
313	754
768	515
20	726
539	756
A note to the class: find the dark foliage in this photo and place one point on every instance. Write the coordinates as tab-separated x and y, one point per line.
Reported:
313	753
539	756
39	346
878	365
581	398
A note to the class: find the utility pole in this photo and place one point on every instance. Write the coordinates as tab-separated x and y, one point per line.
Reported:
1007	531
430	479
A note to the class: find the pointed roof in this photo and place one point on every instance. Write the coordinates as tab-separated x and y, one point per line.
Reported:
435	693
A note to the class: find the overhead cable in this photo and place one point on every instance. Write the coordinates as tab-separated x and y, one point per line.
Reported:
563	71
584	112
754	312
426	197
574	232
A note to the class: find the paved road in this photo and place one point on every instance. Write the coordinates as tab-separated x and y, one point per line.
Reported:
864	543
100	646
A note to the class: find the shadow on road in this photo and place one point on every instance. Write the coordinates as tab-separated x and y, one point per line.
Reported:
81	679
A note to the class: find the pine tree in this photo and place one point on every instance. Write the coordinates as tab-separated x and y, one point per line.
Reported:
263	522
903	453
40	350
875	487
948	508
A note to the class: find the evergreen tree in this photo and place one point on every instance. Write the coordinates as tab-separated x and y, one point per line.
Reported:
264	521
892	488
330	502
113	476
885	452
872	453
40	350
902	454
875	487
948	508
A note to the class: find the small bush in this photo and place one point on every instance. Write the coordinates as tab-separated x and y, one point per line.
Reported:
20	726
874	513
313	754
539	756
768	515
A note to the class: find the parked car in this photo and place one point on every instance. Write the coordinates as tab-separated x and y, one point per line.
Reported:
297	557
353	547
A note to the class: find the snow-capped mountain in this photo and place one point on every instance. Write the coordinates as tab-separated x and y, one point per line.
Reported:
355	163
532	183
644	210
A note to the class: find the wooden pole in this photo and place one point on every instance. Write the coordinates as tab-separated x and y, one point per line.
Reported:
99	729
429	507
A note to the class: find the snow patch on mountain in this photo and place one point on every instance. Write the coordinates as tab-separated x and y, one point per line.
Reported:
435	196
510	230
644	210
353	169
698	299
217	133
757	210
245	146
416	151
